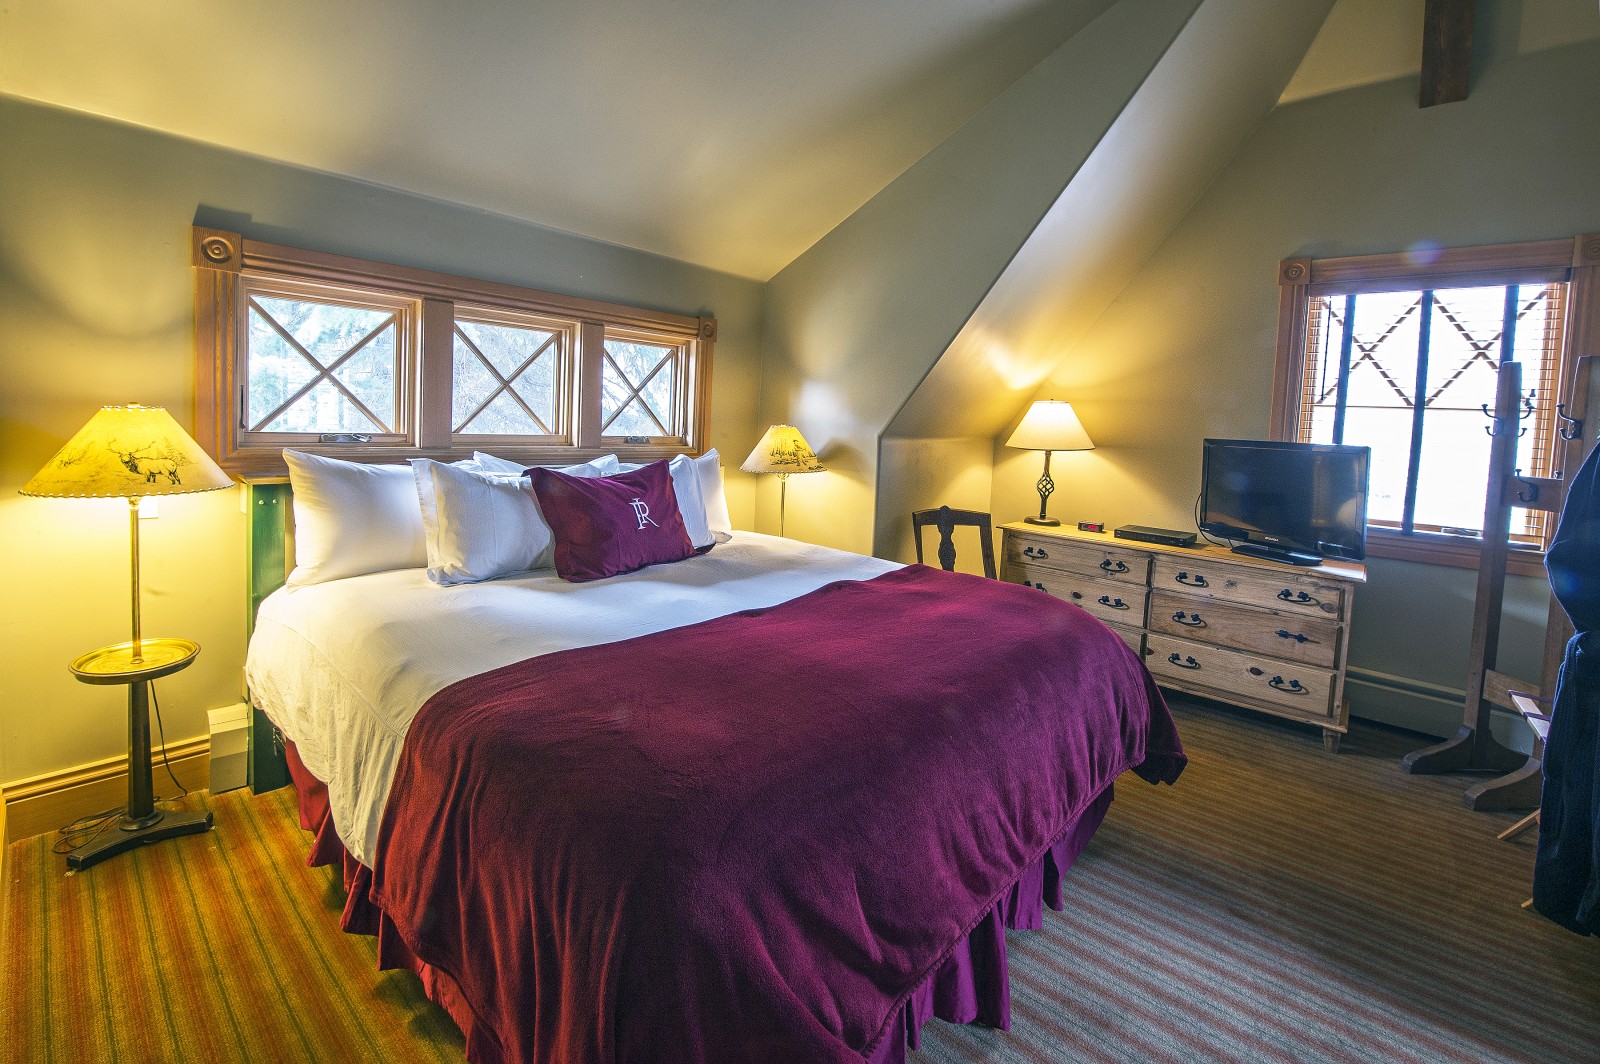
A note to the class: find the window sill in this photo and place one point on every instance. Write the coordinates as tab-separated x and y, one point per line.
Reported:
1460	552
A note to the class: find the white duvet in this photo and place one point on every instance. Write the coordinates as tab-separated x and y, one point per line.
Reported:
343	667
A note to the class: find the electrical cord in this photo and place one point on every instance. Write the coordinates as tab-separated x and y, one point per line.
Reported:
85	829
1209	538
156	702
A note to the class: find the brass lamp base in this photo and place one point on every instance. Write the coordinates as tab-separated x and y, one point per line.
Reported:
1041	521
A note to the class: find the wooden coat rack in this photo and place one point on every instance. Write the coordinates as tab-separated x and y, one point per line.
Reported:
1473	748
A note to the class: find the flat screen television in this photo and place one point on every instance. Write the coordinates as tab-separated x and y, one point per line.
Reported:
1290	502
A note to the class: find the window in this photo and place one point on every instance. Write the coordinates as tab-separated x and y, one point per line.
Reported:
510	378
1401	353
370	361
321	364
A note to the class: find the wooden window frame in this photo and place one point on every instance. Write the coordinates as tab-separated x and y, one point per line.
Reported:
683	391
226	264
1574	260
407	313
566	426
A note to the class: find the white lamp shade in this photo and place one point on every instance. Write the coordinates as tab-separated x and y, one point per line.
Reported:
128	452
1050	425
783	450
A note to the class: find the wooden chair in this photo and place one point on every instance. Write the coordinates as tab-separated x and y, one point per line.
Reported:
945	520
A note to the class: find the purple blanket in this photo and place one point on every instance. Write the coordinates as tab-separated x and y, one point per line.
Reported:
751	839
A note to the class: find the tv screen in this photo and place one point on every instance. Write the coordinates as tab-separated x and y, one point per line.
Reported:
1295	502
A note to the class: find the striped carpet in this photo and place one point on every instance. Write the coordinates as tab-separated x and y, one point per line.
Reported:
1277	905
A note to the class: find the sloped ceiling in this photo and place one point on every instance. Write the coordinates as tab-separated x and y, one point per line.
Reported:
727	133
1212	88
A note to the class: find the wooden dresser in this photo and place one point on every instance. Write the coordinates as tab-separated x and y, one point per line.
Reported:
1252	633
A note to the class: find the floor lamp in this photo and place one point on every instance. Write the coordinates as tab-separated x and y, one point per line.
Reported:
1049	425
783	451
131	452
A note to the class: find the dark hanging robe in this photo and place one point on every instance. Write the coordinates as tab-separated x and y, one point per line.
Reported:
1566	874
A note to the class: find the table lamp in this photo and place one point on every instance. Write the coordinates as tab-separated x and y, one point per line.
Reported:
1049	425
130	452
783	451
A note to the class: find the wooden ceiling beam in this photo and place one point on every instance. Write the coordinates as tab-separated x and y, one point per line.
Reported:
1446	51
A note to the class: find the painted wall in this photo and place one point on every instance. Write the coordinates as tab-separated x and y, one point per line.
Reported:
1186	351
857	321
97	306
1210	91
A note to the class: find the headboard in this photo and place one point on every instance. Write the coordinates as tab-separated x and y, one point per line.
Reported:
269	548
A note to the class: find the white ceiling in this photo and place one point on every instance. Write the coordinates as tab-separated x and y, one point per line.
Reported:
728	133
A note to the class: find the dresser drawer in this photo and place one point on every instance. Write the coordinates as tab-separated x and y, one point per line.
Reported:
1134	637
1278	634
1113	602
1275	589
1053	552
1294	689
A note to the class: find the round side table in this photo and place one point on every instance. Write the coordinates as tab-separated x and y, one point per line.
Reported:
136	664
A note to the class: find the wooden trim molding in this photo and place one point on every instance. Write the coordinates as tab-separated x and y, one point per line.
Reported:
5	866
1586	250
44	803
1458	552
227	264
1457	266
319	267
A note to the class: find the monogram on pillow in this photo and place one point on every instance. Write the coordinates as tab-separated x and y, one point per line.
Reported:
641	510
606	526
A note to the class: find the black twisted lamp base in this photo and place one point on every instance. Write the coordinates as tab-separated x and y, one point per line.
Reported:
1046	487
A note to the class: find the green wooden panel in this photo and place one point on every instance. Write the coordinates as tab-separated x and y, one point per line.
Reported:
268	561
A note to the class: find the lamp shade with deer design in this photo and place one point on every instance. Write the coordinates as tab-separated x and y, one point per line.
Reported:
128	452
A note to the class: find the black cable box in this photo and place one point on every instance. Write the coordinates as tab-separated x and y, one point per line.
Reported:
1146	534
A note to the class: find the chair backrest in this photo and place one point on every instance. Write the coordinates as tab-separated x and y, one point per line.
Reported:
945	520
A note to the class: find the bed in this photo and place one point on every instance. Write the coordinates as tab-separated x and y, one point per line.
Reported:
772	803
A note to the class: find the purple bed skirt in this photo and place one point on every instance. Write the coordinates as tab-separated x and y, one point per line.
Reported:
971	985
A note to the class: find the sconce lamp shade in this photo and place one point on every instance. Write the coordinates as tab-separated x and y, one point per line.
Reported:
128	452
1050	425
783	450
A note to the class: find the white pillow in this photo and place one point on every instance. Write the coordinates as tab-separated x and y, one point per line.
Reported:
481	525
351	518
709	466
488	463
686	488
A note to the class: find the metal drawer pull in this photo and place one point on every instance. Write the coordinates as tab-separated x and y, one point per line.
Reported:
1116	604
1194	620
1184	662
1034	585
1035	552
1196	581
1297	596
1077	594
1111	566
1298	637
1293	686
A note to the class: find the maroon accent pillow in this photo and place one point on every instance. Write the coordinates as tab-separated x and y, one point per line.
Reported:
605	526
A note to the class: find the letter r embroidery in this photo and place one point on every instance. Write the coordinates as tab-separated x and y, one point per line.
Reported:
642	511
